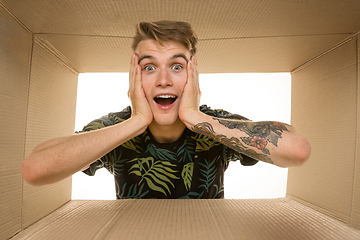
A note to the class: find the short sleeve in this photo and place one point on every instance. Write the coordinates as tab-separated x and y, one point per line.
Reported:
105	121
232	155
90	171
108	120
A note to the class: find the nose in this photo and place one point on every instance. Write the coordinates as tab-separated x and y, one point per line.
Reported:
164	79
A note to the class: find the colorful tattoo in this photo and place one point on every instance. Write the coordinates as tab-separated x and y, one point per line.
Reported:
259	135
204	129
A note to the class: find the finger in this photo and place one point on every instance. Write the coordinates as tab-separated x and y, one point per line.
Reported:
137	78
132	72
190	71
195	60
195	70
132	65
193	74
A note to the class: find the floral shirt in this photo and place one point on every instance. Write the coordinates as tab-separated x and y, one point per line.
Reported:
191	167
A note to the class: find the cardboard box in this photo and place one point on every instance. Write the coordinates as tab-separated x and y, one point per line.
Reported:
188	219
45	44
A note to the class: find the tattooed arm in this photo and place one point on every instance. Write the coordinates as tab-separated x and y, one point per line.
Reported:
271	142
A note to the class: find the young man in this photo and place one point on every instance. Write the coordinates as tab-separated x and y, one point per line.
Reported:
165	145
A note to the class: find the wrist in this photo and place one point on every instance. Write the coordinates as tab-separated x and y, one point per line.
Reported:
190	119
140	122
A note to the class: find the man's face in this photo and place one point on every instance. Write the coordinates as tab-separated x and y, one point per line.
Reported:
164	76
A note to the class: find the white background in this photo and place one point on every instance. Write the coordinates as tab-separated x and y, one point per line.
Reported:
257	96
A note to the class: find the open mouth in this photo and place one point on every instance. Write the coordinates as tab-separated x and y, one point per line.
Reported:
165	100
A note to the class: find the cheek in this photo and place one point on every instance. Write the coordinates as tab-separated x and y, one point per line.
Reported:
146	84
181	81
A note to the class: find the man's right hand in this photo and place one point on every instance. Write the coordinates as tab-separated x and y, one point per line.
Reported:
59	158
139	103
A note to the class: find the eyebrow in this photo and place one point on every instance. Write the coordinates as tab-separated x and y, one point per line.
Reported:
145	57
173	57
180	55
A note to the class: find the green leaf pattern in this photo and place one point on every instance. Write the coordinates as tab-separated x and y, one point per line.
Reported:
132	192
133	144
187	174
204	143
187	150
157	174
208	173
162	154
192	168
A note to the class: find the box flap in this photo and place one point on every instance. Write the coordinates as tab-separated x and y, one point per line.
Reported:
188	219
51	113
271	37
15	54
324	109
355	211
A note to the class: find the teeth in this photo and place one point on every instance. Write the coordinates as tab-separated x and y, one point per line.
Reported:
166	96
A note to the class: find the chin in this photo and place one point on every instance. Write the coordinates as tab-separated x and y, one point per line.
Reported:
166	120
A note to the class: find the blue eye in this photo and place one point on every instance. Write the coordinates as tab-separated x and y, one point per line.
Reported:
149	68
177	67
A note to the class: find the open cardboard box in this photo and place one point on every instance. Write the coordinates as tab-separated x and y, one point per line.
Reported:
44	45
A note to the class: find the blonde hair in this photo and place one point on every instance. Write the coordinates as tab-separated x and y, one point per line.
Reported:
163	31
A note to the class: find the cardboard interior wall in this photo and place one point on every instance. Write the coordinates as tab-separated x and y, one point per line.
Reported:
355	216
325	108
15	52
51	113
37	100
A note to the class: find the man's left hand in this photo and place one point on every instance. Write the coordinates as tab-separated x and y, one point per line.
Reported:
190	99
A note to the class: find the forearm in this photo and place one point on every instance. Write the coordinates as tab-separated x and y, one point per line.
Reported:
59	158
271	142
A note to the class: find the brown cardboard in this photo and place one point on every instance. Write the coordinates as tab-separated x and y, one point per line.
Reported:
45	44
355	213
51	113
15	53
232	19
108	54
27	121
188	219
324	100
274	37
254	54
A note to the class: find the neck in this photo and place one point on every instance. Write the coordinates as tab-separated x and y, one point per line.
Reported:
167	134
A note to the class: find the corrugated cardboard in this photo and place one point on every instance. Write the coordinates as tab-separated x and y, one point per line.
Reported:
188	219
253	54
45	44
255	36
329	85
355	213
15	53
231	19
51	113
93	53
30	115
